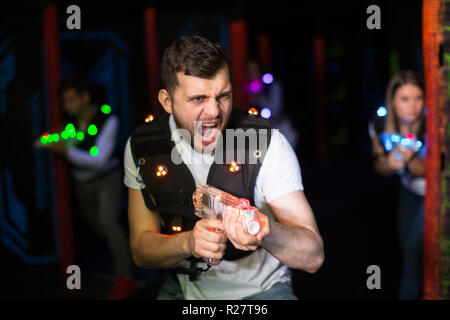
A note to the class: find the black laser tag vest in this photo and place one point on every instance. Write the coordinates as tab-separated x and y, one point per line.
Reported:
171	195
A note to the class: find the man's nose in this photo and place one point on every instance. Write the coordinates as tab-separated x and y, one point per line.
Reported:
211	109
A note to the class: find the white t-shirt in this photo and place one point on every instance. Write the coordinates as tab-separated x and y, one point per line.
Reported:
279	175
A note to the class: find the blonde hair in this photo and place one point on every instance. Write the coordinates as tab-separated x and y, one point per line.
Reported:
398	80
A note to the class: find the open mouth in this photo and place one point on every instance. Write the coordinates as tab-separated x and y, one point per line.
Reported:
208	132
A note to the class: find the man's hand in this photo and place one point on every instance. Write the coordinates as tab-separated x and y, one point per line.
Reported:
238	236
56	147
207	239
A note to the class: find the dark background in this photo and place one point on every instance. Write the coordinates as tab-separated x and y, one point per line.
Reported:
354	208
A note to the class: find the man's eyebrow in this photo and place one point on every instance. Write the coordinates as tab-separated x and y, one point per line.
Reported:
197	96
224	93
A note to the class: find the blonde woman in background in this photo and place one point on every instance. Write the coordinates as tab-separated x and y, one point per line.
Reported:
405	116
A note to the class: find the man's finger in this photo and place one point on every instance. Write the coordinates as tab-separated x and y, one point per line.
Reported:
212	224
210	255
210	235
212	247
222	237
240	235
214	236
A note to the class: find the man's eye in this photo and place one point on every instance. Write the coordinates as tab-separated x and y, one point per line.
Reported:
197	99
224	97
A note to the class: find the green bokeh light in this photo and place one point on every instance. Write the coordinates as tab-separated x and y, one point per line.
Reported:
106	109
70	127
93	151
92	130
55	137
80	136
43	140
64	135
72	134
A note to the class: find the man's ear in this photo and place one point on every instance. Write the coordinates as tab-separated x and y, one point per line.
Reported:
165	100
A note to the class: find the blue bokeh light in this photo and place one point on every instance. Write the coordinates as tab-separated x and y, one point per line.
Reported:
266	113
267	78
382	111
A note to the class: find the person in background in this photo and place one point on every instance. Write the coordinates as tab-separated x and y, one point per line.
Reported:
265	91
96	172
403	115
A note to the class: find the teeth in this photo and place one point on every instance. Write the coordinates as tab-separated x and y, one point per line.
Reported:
209	125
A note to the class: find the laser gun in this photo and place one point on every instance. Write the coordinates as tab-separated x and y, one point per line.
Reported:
68	137
391	140
212	203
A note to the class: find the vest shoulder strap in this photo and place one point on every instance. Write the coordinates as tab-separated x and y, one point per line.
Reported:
151	147
242	183
151	138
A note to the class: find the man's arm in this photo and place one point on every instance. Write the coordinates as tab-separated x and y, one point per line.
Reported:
151	249
105	142
295	238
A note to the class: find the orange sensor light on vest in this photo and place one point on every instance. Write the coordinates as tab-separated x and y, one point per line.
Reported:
176	228
149	118
234	167
253	111
161	171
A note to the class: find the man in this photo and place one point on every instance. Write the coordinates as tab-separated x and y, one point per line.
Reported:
97	177
196	76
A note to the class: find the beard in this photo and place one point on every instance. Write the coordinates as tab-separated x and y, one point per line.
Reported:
204	133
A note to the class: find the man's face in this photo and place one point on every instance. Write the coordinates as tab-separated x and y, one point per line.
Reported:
206	100
73	102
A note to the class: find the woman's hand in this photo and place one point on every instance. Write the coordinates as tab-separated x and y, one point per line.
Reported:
395	160
406	153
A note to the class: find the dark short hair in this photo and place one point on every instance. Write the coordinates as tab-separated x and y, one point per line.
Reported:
74	81
193	55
